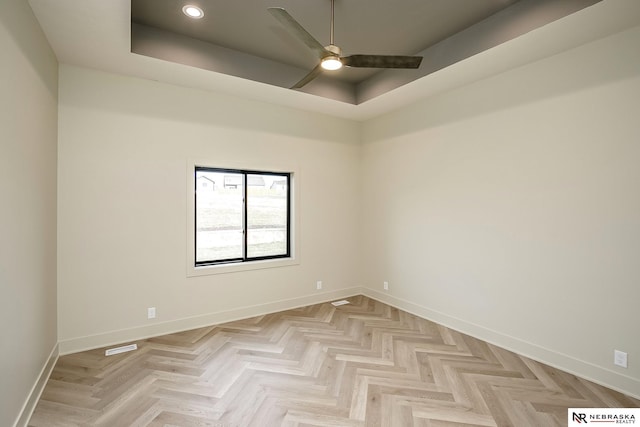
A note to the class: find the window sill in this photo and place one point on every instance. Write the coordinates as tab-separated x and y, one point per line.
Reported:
207	270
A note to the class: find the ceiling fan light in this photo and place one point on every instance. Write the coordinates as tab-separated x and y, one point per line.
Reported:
193	11
331	63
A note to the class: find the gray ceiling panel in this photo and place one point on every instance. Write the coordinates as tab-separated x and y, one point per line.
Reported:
242	39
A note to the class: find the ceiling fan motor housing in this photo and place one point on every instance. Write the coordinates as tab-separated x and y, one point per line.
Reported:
333	49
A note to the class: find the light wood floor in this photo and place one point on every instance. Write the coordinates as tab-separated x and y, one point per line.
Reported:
362	364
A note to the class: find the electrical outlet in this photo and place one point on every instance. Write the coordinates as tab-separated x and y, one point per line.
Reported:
620	358
151	313
319	284
385	286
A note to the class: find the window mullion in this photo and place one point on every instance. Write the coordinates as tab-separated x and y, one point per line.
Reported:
244	219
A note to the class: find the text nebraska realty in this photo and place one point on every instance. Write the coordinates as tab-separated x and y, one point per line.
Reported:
604	418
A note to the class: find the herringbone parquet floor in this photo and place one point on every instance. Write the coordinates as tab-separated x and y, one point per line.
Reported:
362	364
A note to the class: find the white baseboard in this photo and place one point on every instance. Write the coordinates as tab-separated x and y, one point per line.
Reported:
36	391
597	374
75	345
580	368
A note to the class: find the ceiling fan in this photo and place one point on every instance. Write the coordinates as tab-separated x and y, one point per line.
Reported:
331	56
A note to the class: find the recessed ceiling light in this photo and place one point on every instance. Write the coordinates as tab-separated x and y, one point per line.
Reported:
193	11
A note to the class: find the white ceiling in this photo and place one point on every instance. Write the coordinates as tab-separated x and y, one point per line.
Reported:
97	34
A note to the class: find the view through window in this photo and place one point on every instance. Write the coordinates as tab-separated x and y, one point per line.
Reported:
241	215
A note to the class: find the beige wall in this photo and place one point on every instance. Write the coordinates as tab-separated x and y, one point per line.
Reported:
123	152
507	209
510	209
28	134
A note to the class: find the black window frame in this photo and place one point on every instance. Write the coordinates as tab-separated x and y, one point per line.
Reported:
244	258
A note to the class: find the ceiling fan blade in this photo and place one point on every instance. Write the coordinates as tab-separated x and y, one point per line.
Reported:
306	79
382	61
297	30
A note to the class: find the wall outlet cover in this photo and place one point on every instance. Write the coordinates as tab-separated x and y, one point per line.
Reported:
620	358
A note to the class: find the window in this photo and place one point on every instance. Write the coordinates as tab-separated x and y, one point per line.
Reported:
241	216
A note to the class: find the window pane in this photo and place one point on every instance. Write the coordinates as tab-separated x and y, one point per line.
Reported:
266	215
219	213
